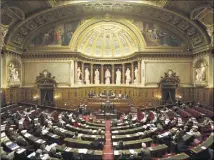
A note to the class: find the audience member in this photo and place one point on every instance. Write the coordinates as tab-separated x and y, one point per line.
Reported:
145	153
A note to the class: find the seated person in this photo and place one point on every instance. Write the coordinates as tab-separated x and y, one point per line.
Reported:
120	145
77	156
145	153
114	123
21	141
43	149
181	144
205	122
123	156
195	132
189	124
5	155
133	157
175	137
76	136
53	153
38	155
99	131
96	144
38	130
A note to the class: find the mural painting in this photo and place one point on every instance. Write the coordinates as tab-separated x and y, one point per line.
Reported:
59	35
154	35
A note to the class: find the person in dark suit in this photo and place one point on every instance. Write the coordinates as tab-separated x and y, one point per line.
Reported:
145	153
123	156
38	131
38	155
54	154
133	157
96	144
77	156
120	145
181	145
76	136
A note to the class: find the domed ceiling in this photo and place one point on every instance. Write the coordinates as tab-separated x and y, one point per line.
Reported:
108	39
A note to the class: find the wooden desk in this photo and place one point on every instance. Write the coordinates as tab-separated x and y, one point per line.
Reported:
121	105
156	151
204	145
135	143
181	156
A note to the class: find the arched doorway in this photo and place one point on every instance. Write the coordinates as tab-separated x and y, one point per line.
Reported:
168	85
46	84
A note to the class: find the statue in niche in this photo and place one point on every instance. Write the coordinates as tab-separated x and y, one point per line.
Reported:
78	73
201	73
87	74
136	75
14	75
97	77
107	76
118	76
128	76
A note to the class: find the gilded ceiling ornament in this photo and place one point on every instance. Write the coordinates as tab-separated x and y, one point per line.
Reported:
197	39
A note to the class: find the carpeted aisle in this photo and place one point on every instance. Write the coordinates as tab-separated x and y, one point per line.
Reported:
108	153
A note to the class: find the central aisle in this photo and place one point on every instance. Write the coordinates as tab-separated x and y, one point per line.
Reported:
108	153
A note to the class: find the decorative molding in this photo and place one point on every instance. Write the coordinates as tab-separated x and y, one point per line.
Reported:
169	79
80	57
44	78
3	31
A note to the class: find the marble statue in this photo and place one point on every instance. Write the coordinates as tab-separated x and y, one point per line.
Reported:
78	73
87	74
118	76
107	76
79	81
136	75
201	73
14	75
128	76
97	77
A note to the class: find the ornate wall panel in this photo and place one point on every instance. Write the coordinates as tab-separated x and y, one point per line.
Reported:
62	71
155	69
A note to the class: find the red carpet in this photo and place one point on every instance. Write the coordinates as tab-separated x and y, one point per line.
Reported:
108	153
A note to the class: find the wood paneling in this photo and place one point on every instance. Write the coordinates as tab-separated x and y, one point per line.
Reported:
71	97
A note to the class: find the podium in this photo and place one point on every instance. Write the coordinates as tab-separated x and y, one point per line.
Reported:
107	107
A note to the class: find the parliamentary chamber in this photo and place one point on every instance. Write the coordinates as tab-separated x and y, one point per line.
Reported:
143	50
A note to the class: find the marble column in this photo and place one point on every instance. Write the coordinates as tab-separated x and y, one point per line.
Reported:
139	72
132	74
102	74
123	71
83	73
91	72
112	73
3	31
75	72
